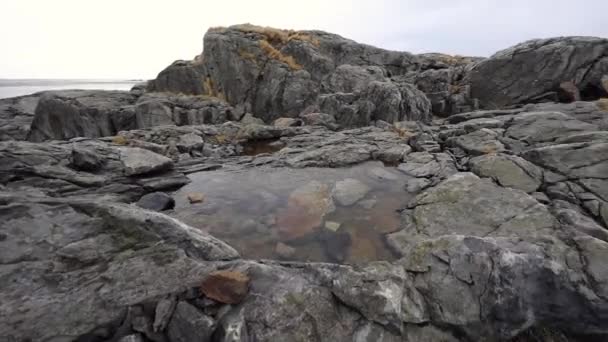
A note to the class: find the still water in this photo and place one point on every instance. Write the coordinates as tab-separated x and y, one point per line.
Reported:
313	214
19	87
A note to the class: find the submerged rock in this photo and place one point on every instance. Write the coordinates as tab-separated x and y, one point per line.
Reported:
348	191
306	208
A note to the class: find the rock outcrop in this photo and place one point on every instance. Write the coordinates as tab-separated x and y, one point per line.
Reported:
64	115
16	115
562	69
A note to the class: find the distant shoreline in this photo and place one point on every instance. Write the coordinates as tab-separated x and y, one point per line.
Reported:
22	87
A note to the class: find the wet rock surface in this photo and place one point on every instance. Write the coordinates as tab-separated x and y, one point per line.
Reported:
488	225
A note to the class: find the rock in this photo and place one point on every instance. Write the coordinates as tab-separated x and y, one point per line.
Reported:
86	160
383	174
82	113
287	122
306	207
348	191
249	119
196	197
333	226
320	119
513	76
16	116
336	244
180	77
228	287
157	201
537	127
157	109
392	155
467	205
190	143
426	165
416	185
368	204
508	171
284	251
189	324
163	313
138	161
132	338
158	255
479	142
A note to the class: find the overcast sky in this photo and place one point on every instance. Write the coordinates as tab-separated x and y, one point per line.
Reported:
138	38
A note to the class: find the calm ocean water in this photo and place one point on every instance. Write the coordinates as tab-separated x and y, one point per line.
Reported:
18	87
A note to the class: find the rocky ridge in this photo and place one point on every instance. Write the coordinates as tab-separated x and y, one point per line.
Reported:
505	238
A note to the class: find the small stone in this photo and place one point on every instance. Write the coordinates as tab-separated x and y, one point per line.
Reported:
368	204
139	161
249	119
287	122
348	191
157	201
284	251
333	226
229	287
196	197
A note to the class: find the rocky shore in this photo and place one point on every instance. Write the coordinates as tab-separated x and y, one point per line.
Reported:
499	231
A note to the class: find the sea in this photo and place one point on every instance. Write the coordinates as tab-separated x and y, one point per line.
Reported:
19	87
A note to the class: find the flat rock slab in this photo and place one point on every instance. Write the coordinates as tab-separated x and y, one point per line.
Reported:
139	161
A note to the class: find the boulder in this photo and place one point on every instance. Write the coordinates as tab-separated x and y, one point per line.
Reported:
82	113
534	70
306	207
157	201
348	191
138	161
16	116
180	77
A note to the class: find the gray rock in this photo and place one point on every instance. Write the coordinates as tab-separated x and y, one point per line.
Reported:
163	313
82	113
138	161
132	338
287	122
533	71
189	143
157	201
509	171
320	119
467	205
249	119
86	160
180	77
188	324
158	255
16	116
348	191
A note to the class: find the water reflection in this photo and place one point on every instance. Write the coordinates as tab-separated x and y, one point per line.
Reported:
312	214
